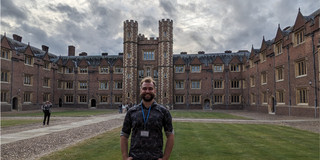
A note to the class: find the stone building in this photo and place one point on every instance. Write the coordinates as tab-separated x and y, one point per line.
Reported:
280	77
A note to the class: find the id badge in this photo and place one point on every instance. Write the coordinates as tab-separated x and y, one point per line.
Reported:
144	134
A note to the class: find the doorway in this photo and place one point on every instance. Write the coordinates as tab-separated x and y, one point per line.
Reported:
60	102
93	103
206	104
15	103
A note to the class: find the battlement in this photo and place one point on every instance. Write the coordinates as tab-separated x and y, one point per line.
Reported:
166	21
131	22
141	37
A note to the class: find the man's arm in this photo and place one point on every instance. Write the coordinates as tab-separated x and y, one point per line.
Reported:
124	147
169	146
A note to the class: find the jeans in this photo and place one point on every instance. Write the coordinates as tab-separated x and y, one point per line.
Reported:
46	114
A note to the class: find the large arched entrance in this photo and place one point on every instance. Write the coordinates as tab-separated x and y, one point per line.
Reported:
15	103
60	102
93	103
206	104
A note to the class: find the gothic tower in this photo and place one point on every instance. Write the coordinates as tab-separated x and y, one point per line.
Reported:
130	50
165	63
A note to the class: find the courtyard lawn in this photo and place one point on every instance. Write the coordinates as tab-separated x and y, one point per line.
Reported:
202	141
202	114
16	122
61	113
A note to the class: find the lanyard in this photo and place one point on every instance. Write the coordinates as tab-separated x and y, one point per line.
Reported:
145	120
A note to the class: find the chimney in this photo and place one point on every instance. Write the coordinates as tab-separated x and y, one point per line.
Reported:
71	51
227	51
17	37
83	54
45	48
120	54
183	52
201	52
104	54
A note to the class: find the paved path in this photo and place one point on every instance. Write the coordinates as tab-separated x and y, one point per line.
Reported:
13	137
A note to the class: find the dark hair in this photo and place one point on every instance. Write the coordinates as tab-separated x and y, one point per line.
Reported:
148	80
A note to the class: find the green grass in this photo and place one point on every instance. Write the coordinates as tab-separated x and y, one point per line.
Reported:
16	122
203	114
202	141
59	113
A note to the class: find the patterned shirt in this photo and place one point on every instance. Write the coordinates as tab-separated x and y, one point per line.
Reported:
147	148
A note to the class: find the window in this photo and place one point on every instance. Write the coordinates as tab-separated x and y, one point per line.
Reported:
118	70
27	97
279	74
195	68
118	85
195	99
218	99
148	55
299	37
235	68
69	98
69	84
179	84
302	96
218	84
253	98
118	98
235	98
148	72
278	48
83	70
195	84
46	97
280	96
165	54
46	82
128	55
82	98
5	76
5	54
69	70
252	81
165	75
251	63
263	56
264	78
235	84
244	83
301	68
103	85
60	84
103	99
83	85
155	74
46	65
179	69
4	96
218	68
264	97
28	60
27	79
104	70
60	69
179	99
164	33
141	73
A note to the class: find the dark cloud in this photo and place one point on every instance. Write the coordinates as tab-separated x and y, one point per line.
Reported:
9	9
72	12
169	8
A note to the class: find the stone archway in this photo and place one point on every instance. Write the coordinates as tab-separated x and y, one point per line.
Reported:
93	103
15	103
206	104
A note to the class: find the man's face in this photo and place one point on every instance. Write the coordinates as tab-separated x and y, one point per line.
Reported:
147	91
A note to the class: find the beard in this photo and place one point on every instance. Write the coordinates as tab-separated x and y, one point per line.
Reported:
147	97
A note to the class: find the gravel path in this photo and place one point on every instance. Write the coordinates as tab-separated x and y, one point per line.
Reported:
34	148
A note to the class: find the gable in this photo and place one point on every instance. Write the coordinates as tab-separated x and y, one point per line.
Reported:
300	21
218	60
83	63
104	62
46	57
28	51
180	61
195	61
279	35
118	62
235	60
5	43
69	63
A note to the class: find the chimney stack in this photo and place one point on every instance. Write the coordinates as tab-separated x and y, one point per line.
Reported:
227	51
17	37
45	48
104	54
71	51
83	54
183	52
201	52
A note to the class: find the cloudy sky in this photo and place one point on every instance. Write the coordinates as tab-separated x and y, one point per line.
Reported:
96	26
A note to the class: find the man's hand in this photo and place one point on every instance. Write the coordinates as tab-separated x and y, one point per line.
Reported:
129	158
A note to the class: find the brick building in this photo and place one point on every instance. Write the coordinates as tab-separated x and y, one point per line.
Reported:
280	77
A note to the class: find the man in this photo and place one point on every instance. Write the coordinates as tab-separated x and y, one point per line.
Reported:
47	112
146	121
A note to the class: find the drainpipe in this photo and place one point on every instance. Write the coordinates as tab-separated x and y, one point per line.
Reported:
187	86
274	100
315	78
289	81
227	88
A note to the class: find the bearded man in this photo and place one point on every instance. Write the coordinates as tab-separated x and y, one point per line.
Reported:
145	122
